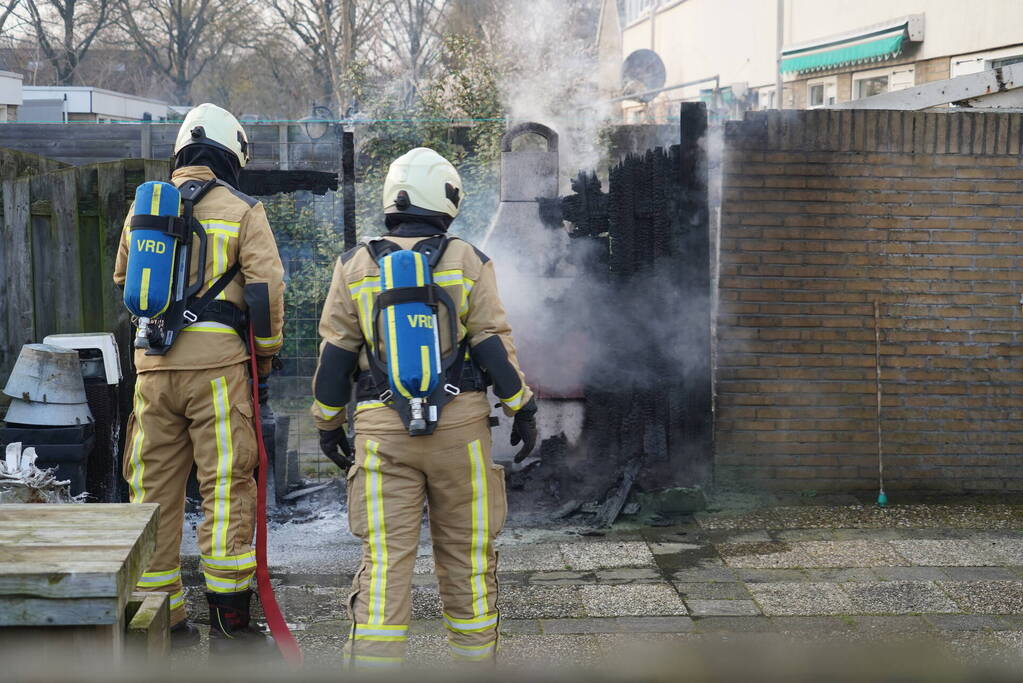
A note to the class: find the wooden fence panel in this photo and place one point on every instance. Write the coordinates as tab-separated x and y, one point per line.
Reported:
18	316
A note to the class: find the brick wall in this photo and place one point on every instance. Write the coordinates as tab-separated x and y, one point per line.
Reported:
825	212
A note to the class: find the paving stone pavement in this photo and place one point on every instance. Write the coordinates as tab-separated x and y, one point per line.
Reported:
952	574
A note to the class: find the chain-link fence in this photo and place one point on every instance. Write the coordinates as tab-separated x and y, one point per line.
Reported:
309	231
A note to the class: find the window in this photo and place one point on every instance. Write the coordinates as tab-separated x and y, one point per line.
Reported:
870	83
634	9
821	92
982	61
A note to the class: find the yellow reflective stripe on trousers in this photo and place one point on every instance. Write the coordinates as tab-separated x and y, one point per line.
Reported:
480	542
473	625
218	584
177	600
381	633
369	660
231	562
159	579
138	467
377	535
225	460
473	652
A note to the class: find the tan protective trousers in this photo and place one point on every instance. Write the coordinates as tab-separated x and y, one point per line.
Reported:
393	477
203	416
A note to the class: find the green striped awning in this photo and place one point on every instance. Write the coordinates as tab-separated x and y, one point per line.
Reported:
862	49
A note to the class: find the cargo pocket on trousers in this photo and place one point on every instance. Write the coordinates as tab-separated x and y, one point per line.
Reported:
356	499
126	452
498	499
243	436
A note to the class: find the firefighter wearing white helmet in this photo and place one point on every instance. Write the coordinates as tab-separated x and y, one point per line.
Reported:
194	403
398	464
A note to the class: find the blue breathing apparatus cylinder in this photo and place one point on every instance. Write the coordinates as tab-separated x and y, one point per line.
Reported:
411	337
149	279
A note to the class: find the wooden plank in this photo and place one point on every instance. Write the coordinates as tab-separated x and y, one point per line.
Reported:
28	611
126	532
283	158
112	209
17	307
68	297
146	140
148	631
90	261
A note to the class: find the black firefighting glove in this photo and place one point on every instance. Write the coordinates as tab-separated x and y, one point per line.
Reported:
524	430
335	445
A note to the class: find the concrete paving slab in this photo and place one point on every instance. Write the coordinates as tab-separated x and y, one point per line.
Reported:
890	624
561	578
629	575
541	602
945	553
772	575
986	597
544	652
898	597
426	602
967	622
1008	550
632	600
604	555
850	553
722	608
675	624
801	599
981	574
730	536
734	625
828	517
673	548
704	574
840	574
751	519
312	604
910	573
541	557
712	591
771	555
815	625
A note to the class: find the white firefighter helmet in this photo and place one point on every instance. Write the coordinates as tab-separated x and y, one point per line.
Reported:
422	182
209	124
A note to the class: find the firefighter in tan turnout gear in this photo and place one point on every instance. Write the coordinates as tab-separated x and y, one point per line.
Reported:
440	457
193	403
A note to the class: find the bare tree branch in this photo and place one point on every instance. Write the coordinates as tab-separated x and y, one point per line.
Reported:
65	30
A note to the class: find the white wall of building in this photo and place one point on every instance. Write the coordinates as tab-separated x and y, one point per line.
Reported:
10	88
105	104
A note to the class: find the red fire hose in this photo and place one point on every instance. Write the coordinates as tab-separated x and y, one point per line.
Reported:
274	619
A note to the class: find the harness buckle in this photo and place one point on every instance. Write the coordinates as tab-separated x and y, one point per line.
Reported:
190	317
386	396
452	389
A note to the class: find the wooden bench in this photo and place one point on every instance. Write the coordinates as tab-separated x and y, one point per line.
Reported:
68	572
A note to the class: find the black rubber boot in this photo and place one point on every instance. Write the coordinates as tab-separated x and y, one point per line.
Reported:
184	634
230	630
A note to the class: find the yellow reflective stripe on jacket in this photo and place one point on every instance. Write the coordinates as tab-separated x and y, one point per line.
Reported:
210	326
377	534
160	579
219	227
473	625
515	402
473	652
218	584
225	461
231	562
368	405
266	342
381	633
327	411
479	550
138	467
362	292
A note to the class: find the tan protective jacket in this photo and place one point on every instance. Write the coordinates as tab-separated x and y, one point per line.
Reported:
238	231
468	277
